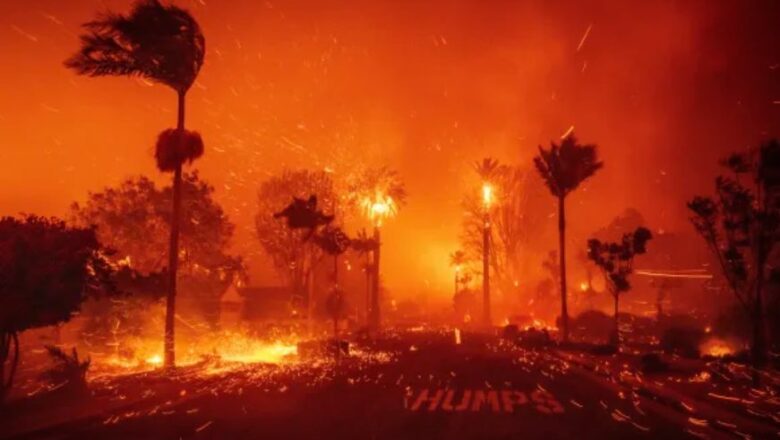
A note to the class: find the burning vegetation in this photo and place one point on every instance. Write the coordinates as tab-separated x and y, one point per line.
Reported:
194	308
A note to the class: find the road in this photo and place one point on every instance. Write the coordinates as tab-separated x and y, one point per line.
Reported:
419	386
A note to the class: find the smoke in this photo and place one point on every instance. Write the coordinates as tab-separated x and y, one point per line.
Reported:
664	88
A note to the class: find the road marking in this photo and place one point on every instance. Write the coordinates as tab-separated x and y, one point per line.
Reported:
475	400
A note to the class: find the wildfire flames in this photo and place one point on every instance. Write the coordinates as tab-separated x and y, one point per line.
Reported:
230	347
717	347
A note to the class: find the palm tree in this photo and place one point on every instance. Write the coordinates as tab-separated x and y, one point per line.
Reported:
379	192
162	43
366	245
564	167
488	170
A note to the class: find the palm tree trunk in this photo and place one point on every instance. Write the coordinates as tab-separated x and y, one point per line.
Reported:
758	348
486	271
616	335
173	253
562	264
368	290
6	356
375	300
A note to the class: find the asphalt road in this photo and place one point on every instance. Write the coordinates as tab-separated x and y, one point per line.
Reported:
423	387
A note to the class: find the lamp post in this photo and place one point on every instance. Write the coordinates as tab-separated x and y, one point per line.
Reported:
487	198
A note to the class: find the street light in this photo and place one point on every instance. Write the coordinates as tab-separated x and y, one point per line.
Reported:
487	199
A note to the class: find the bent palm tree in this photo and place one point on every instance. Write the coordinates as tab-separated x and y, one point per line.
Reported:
162	43
563	167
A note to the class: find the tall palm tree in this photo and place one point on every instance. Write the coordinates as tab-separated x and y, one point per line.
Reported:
162	43
488	170
564	167
379	192
366	245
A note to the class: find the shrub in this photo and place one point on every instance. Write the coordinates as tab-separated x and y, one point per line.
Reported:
68	370
684	341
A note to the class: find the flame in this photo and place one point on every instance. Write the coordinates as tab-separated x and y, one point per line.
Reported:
584	286
226	346
155	360
379	208
717	347
487	194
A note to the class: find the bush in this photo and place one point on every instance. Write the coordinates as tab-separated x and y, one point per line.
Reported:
652	363
684	341
533	338
592	325
68	371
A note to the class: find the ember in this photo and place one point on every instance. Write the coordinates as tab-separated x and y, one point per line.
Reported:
387	219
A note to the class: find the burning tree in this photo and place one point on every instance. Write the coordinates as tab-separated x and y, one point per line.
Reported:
379	193
741	225
47	269
163	43
510	226
294	258
564	167
132	219
616	261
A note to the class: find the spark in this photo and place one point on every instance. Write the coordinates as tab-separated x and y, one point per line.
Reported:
568	132
584	37
675	274
204	426
53	19
27	35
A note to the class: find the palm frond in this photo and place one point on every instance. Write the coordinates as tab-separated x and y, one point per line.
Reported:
564	167
155	41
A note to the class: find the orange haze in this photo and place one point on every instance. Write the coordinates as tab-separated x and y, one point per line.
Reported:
664	88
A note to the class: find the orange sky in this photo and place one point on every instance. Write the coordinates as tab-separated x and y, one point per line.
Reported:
664	88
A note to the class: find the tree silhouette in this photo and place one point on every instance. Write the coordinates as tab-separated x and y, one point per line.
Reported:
47	269
516	231
379	193
162	43
488	169
564	167
616	261
365	245
334	242
741	226
132	219
458	260
293	255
